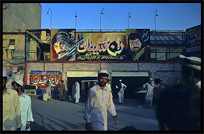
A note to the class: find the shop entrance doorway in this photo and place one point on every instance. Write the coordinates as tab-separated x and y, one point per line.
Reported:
85	84
133	83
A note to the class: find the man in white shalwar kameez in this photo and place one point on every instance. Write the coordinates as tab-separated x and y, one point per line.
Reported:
121	92
47	95
77	92
25	106
99	101
149	86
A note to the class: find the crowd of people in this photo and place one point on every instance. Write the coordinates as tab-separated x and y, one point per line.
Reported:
177	106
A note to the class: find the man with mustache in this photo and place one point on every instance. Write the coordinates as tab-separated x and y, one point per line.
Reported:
11	107
136	49
98	102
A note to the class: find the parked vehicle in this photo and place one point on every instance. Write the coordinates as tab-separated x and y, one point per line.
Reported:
140	92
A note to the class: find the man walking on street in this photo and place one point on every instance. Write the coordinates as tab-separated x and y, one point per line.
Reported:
121	92
48	90
11	108
77	92
98	102
149	87
108	85
25	105
62	92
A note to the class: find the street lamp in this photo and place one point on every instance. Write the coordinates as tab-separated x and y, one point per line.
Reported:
75	18
155	15
100	18
50	18
129	16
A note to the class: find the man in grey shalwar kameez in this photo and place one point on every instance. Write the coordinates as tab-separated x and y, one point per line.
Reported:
98	102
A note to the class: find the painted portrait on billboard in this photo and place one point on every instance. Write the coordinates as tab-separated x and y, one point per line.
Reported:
63	44
138	48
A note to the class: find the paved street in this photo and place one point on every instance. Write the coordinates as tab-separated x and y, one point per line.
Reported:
65	116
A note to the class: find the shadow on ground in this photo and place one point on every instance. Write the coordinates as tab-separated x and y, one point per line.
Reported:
35	126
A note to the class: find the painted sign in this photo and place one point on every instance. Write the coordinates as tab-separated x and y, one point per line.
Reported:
101	46
40	78
193	39
132	45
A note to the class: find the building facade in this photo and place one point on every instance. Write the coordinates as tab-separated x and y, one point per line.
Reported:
89	52
17	16
16	19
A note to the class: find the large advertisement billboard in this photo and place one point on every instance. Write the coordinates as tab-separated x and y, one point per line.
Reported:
131	45
101	46
193	39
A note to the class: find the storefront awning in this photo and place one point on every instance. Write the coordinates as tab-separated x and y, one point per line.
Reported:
130	74
82	73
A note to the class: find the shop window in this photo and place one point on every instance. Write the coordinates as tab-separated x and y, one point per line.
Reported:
11	44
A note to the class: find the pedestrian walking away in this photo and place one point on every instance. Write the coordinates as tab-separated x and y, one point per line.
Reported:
62	92
77	92
47	95
99	101
121	91
11	108
157	91
108	85
25	105
149	87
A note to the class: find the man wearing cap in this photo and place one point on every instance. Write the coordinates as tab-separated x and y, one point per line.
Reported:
11	108
98	102
121	92
191	70
149	87
25	105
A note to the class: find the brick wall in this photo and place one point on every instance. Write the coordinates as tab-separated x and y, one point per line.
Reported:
168	72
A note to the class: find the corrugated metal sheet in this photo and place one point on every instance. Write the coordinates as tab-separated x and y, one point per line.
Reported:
129	74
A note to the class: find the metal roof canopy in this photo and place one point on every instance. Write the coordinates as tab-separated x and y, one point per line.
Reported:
130	74
82	73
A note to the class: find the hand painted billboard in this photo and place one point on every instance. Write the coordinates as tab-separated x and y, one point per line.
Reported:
132	45
138	44
193	39
101	46
40	78
63	44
